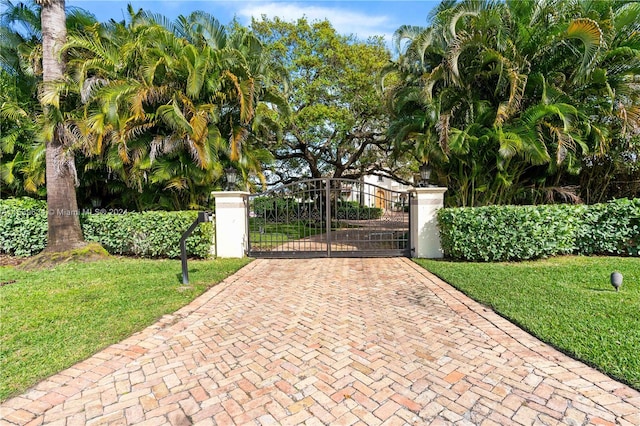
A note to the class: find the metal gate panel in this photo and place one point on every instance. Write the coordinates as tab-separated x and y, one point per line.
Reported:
329	218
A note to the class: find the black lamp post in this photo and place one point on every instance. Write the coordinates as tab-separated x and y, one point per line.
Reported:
425	174
232	177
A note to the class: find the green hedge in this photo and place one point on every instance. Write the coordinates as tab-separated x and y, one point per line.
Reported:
500	233
23	226
280	208
274	206
23	231
612	228
355	211
148	234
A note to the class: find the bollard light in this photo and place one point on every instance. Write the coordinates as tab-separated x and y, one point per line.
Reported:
616	280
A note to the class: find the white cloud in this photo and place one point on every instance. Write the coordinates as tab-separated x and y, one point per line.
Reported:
343	20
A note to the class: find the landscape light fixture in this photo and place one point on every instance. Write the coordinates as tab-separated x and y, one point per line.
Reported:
616	280
232	177
425	174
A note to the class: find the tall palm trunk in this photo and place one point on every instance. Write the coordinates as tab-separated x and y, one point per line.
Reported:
64	231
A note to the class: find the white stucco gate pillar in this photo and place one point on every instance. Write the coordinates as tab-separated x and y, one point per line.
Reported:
232	234
425	235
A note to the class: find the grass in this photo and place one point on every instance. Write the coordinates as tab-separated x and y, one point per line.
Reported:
567	302
51	319
265	235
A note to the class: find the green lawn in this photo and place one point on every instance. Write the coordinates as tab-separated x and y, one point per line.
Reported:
565	301
50	320
266	235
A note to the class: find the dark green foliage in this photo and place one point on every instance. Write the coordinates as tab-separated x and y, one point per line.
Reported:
147	234
23	231
355	211
23	226
273	206
521	101
498	233
612	228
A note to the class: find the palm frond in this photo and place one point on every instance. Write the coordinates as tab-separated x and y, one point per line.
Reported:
244	92
198	66
238	136
199	122
431	79
13	112
590	34
464	10
405	33
173	117
209	28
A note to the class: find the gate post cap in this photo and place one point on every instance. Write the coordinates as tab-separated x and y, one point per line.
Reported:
429	190
222	194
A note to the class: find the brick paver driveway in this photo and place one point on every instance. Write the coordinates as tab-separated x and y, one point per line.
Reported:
329	341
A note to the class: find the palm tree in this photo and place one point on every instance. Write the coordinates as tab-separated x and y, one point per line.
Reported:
64	230
22	145
516	94
169	105
22	164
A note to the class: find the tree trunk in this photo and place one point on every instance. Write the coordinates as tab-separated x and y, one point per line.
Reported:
64	232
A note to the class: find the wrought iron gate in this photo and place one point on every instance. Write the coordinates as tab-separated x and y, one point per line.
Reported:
329	218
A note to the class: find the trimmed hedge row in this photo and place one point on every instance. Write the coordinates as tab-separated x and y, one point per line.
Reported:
23	226
280	208
23	231
493	233
500	233
355	211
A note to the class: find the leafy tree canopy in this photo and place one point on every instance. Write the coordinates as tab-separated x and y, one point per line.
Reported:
338	120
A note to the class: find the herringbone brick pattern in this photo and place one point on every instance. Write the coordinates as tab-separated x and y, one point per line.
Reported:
329	341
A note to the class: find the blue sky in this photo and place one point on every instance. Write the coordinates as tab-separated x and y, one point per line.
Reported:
362	18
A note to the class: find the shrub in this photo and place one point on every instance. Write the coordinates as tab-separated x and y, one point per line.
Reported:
500	233
147	234
279	209
612	228
23	226
283	209
23	231
355	211
496	233
272	206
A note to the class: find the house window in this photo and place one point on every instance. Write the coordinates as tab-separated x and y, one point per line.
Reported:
380	178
